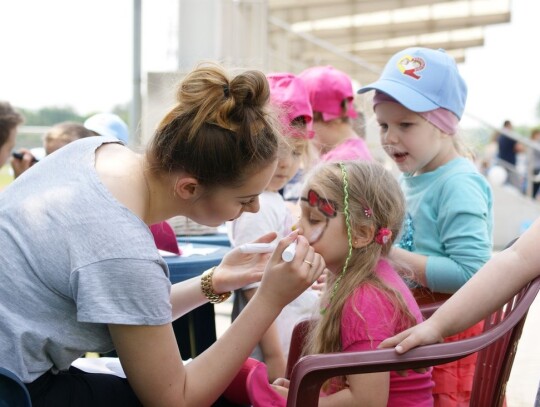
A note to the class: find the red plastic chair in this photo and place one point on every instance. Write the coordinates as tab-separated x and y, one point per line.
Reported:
496	346
301	329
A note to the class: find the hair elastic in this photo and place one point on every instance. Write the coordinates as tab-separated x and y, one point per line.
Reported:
383	236
226	91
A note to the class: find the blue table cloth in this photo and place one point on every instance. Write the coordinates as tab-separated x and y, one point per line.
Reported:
183	268
220	239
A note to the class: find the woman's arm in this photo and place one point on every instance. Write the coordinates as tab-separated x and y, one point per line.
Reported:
497	281
235	271
150	356
271	347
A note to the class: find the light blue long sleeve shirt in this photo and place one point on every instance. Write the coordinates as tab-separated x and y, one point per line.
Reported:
450	220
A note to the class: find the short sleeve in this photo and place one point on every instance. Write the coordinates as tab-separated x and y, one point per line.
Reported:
367	320
122	291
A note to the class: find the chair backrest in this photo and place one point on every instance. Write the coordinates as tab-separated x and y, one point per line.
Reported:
300	331
13	392
496	346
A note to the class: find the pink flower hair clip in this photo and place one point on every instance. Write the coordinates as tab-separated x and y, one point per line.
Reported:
383	236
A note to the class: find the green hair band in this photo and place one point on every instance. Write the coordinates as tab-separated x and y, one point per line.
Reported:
349	234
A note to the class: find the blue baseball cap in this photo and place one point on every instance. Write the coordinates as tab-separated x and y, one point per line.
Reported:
423	79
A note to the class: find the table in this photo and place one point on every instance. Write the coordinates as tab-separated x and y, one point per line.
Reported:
220	239
196	330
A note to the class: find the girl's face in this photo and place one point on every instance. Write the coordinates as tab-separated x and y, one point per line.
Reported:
289	160
224	204
51	145
325	137
326	233
415	145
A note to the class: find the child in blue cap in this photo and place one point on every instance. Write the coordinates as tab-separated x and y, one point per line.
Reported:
447	236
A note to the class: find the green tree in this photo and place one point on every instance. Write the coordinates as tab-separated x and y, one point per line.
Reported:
48	116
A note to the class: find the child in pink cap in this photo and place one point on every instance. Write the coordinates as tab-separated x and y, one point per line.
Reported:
289	97
331	95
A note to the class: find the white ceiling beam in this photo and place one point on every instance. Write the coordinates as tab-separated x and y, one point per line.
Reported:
340	36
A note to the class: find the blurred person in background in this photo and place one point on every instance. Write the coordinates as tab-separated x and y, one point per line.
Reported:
508	148
331	95
10	120
58	136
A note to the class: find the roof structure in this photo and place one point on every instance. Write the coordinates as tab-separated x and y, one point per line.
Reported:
359	36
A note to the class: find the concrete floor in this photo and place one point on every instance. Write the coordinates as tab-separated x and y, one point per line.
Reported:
525	376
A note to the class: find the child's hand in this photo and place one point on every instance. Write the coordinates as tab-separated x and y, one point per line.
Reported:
320	283
239	269
281	386
422	334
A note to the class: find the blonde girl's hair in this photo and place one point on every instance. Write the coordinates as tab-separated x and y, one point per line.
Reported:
221	129
373	189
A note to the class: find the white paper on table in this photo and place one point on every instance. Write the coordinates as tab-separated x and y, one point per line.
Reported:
165	253
103	365
189	250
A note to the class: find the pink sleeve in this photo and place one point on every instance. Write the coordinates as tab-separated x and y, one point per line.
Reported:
367	319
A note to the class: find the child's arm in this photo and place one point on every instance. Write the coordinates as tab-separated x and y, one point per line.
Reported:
462	233
270	347
364	390
356	395
416	264
500	278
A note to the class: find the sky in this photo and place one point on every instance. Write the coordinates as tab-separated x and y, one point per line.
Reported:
79	53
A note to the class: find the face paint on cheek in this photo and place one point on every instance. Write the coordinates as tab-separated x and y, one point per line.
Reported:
317	233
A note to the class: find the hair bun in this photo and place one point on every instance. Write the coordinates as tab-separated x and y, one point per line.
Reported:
250	88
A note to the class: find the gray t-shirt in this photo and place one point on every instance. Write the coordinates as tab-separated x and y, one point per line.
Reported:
72	260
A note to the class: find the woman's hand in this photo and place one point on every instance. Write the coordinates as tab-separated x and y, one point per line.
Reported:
284	281
239	269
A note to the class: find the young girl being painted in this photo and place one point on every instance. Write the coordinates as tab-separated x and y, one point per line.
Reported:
447	236
351	214
289	97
